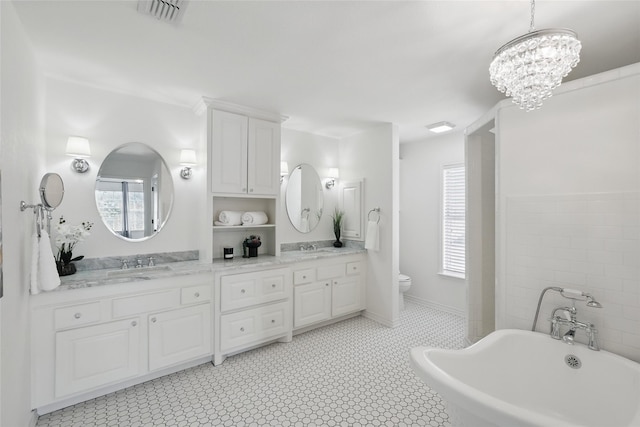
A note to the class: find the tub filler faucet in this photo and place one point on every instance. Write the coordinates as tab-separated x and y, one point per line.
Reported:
569	319
569	316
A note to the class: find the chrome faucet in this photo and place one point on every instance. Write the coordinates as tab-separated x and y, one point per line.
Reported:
570	320
151	262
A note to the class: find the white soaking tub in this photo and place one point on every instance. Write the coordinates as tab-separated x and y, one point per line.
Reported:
521	378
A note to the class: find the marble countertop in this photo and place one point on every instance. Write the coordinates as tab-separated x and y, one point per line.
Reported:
93	278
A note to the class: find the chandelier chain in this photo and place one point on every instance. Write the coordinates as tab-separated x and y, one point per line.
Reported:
533	13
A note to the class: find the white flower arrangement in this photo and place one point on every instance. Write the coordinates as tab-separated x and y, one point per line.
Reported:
68	236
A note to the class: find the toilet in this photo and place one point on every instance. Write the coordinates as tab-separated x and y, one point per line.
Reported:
404	282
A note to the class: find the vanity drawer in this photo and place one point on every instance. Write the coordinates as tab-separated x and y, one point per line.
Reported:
330	271
128	306
301	277
254	325
354	267
195	294
77	315
247	289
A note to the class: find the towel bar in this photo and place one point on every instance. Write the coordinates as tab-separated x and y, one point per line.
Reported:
377	211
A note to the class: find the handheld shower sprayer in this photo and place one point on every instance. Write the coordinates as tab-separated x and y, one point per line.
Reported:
572	294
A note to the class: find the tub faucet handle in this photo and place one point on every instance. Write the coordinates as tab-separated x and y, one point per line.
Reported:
592	332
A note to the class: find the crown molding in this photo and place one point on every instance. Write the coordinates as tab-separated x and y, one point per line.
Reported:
216	104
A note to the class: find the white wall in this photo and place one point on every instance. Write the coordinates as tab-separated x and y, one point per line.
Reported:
569	206
321	152
420	193
109	120
22	148
379	168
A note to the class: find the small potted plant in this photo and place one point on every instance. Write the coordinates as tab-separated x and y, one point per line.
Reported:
337	217
68	236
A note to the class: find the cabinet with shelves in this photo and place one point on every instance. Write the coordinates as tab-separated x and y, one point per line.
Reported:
243	172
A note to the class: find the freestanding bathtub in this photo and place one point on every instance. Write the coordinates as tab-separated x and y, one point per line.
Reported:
521	378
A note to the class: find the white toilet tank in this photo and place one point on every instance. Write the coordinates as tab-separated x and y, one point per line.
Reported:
404	281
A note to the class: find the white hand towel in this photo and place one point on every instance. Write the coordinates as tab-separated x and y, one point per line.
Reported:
254	218
304	224
230	217
47	270
372	241
35	261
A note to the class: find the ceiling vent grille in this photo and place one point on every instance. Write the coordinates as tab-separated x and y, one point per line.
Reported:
163	10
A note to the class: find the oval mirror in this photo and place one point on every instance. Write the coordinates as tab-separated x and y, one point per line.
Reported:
134	192
51	190
304	198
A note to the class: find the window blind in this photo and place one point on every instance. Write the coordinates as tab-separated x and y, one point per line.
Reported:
453	216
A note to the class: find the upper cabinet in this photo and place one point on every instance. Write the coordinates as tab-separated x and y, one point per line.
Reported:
244	154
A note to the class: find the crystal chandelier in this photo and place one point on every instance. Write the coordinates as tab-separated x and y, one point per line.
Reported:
529	67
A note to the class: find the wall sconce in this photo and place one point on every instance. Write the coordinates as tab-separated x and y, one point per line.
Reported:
334	174
78	148
187	159
284	171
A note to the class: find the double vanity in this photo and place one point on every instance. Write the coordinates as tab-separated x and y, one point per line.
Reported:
107	328
104	330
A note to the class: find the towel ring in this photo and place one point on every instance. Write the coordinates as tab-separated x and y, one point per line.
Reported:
377	211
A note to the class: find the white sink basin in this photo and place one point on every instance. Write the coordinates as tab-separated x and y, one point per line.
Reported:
132	272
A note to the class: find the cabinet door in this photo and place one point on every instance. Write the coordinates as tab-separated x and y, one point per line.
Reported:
312	303
228	153
94	356
179	335
264	157
346	295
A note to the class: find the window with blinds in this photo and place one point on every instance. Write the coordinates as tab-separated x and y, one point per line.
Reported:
453	220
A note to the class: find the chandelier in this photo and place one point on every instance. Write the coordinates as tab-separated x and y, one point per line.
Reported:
530	67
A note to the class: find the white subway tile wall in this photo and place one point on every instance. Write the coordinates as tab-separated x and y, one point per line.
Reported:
589	242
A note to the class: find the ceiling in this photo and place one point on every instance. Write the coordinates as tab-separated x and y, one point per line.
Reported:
334	67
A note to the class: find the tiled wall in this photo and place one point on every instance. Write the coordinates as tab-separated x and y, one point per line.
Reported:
589	242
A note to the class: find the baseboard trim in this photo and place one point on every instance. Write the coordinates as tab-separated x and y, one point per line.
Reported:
379	319
435	305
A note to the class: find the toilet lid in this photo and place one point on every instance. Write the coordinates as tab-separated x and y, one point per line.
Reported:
404	277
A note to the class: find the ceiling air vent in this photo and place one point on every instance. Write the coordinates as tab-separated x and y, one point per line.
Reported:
163	10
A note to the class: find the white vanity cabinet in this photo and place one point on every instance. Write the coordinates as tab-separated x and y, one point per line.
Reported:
244	154
91	341
251	308
91	356
328	289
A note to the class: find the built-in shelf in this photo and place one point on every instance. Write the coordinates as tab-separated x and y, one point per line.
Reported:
242	227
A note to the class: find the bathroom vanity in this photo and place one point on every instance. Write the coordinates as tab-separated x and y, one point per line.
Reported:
105	330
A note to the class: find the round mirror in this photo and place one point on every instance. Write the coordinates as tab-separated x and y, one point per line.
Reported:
134	192
51	190
304	198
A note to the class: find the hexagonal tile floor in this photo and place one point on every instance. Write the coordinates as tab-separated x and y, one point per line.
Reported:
352	373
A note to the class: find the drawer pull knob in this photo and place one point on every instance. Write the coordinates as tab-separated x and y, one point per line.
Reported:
304	277
77	315
242	291
273	321
134	323
241	329
273	285
326	284
197	295
153	320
